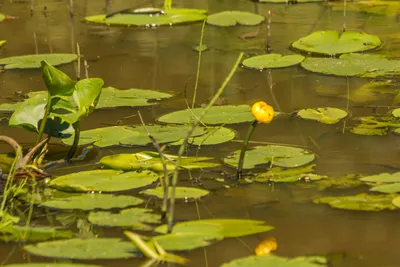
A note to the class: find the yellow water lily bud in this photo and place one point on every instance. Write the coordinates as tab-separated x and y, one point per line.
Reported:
266	246
263	112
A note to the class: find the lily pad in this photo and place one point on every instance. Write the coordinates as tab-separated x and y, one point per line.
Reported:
91	202
233	18
132	136
199	233
277	261
214	136
34	61
362	65
375	125
334	43
168	17
276	155
151	161
386	188
84	249
271	61
50	264
396	201
135	218
290	1
17	233
382	178
215	115
363	202
2	17
2	42
181	192
281	175
324	115
103	180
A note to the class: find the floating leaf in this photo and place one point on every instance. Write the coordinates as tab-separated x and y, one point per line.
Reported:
2	17
34	61
103	180
347	181
333	42
2	41
362	202
168	17
375	125
359	129
323	115
151	161
396	113
396	201
271	61
84	249
386	188
281	175
200	48
378	7
199	233
214	136
180	192
50	264
91	202
215	115
281	156
277	261
382	178
21	233
363	65
232	18
135	218
135	135
289	1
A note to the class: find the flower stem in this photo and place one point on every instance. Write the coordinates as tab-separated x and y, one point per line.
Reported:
244	148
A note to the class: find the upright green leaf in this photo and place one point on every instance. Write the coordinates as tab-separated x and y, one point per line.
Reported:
56	81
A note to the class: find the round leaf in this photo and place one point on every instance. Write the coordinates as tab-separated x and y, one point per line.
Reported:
271	61
181	192
34	61
277	261
214	136
91	202
333	43
136	218
323	115
382	178
386	188
281	156
84	249
396	201
232	18
103	180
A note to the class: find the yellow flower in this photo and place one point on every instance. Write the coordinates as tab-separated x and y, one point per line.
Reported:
263	112
266	246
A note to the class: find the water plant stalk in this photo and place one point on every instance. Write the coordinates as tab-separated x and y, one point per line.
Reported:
170	215
74	147
44	120
244	148
269	32
198	64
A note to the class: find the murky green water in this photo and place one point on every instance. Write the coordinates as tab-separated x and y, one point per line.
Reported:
163	59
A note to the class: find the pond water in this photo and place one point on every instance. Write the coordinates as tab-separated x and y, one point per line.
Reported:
163	59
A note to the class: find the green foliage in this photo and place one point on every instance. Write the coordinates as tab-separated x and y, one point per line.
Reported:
181	192
282	175
17	233
271	61
326	115
277	261
233	18
34	61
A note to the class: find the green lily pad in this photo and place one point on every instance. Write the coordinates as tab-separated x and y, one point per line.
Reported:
386	188
180	192
271	61
214	136
281	175
103	180
277	261
2	42
132	136
359	129
375	125
151	161
287	1
362	202
21	233
168	17
382	178
362	65
323	115
396	113
91	202
334	43
136	218
233	18
396	201
50	264
215	115
84	249
199	233
2	17
344	182
281	156
34	61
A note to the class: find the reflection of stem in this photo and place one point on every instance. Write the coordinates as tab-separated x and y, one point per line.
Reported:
198	64
244	148
35	43
74	148
44	120
271	89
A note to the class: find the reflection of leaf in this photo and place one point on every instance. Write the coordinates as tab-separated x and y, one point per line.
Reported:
362	202
324	115
96	248
103	180
277	261
181	192
232	18
333	42
135	218
276	155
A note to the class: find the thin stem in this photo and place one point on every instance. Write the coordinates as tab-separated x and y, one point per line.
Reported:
74	148
44	120
269	32
185	141
198	64
244	148
78	71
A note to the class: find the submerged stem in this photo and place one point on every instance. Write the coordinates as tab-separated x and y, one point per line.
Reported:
74	148
244	148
